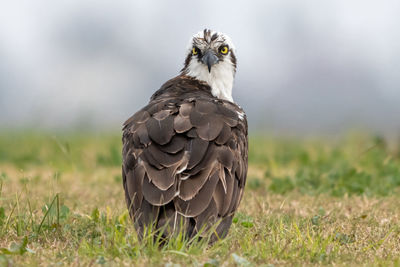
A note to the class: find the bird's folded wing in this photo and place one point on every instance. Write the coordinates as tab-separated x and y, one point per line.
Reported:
191	152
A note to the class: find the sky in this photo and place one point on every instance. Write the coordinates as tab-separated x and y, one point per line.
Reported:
304	67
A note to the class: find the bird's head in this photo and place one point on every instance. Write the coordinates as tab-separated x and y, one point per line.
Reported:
211	58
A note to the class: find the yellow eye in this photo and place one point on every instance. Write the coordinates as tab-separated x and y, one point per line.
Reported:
195	51
224	50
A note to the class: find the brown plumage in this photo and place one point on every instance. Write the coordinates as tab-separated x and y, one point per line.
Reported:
171	175
185	160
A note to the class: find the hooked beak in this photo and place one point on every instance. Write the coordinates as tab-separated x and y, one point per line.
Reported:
209	59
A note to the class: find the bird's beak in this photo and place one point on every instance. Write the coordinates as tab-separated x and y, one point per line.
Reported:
209	59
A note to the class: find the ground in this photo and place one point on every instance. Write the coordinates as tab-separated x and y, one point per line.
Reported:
309	201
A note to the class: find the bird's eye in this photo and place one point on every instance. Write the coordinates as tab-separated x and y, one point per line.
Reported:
224	49
195	50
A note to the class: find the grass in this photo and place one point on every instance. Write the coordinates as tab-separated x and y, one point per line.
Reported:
307	202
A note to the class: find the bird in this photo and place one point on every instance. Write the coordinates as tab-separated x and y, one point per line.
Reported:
185	154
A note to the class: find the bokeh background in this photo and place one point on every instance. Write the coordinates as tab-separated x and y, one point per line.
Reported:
304	67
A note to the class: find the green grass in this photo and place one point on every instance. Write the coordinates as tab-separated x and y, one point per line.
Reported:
307	202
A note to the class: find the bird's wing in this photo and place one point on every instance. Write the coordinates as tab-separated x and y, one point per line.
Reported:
187	157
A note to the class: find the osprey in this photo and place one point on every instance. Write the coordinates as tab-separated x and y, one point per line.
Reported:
185	153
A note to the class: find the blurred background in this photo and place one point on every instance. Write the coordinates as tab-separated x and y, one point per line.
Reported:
304	67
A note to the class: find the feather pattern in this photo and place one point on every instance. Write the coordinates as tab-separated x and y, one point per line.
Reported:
185	160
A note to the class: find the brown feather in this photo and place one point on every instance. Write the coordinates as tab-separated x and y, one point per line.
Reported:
227	111
139	117
182	124
211	129
192	133
161	115
136	141
199	203
167	218
130	160
163	178
190	187
160	131
205	106
219	196
198	119
229	192
170	222
224	135
176	144
154	195
222	228
229	114
147	157
185	109
206	219
143	135
155	106
165	159
197	149
221	172
134	181
235	193
208	158
225	157
145	216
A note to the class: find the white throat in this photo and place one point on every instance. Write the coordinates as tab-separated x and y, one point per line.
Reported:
220	79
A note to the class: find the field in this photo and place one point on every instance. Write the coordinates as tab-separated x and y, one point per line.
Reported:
313	201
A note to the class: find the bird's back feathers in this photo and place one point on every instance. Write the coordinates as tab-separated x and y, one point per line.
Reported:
185	159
